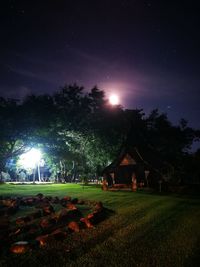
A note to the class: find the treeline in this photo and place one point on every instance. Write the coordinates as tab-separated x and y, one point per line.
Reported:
81	133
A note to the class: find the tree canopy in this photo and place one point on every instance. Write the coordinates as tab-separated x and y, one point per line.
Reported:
81	133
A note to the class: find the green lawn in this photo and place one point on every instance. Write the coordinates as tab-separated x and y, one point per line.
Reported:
145	230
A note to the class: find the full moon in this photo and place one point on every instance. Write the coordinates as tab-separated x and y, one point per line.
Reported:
114	100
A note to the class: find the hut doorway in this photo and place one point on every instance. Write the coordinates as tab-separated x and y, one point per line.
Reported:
123	174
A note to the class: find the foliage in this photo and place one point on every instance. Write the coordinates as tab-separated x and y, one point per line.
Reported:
15	134
80	133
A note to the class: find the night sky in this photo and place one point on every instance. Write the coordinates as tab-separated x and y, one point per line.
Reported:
145	51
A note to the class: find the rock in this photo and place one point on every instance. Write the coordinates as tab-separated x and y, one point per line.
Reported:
15	232
58	234
40	195
81	202
8	206
54	226
20	221
66	198
47	210
98	207
74	201
45	200
23	220
71	206
75	214
46	223
63	215
28	201
96	216
40	205
7	202
90	216
43	240
87	222
35	215
74	226
49	198
55	217
55	200
20	247
33	229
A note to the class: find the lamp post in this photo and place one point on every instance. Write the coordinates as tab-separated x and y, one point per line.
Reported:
31	160
38	168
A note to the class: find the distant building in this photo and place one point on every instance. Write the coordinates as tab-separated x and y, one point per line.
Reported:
131	168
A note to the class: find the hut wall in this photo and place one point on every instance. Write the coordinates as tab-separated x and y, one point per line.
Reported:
123	174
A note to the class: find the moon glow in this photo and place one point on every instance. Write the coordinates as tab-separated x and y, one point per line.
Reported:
114	99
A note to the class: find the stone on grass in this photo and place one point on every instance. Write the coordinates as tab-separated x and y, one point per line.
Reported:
43	240
87	222
74	201
35	215
98	206
62	215
75	214
23	220
33	229
20	247
40	195
47	210
46	223
66	198
55	200
80	202
74	226
15	232
71	206
58	234
6	202
53	225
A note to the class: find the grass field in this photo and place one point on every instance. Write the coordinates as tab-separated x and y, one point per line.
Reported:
145	230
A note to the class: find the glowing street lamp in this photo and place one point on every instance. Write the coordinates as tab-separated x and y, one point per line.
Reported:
31	160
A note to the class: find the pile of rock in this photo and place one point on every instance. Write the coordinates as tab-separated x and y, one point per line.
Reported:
45	224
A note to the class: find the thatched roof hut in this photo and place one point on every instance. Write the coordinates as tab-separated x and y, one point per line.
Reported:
131	163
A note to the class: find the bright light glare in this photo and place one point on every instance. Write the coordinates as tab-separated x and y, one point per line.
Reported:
114	99
30	158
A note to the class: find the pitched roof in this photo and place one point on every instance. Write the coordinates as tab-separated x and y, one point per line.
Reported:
127	156
131	156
